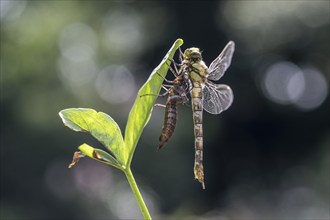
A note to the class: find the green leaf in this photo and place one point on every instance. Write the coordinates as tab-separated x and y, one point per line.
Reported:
142	108
99	125
99	155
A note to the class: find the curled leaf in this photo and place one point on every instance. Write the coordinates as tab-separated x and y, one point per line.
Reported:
76	157
99	155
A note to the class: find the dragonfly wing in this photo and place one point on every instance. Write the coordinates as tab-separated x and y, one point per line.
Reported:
219	66
217	97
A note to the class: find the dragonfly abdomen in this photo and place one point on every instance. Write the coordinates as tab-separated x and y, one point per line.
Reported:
197	107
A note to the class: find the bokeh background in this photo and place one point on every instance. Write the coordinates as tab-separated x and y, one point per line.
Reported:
267	157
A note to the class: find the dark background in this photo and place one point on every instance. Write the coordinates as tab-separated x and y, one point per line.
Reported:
267	157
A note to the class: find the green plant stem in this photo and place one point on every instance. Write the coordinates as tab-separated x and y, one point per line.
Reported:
137	194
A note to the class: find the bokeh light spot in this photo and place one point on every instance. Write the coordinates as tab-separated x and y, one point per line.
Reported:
93	179
59	180
78	42
115	84
285	83
123	32
124	205
315	91
76	73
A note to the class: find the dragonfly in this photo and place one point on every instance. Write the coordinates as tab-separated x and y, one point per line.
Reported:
213	98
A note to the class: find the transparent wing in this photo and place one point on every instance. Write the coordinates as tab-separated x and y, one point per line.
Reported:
219	66
217	97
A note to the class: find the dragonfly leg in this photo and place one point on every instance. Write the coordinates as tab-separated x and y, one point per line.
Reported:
174	62
165	85
181	55
160	105
175	72
159	95
166	80
176	65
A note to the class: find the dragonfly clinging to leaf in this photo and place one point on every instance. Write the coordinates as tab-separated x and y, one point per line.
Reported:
213	98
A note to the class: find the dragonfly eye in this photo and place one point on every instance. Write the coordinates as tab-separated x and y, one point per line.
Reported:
196	55
193	54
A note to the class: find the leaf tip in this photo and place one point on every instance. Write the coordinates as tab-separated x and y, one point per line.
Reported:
179	41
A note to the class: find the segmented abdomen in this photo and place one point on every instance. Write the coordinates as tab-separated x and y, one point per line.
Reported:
197	108
169	120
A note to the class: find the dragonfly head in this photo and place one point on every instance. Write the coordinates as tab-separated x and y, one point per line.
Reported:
193	54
